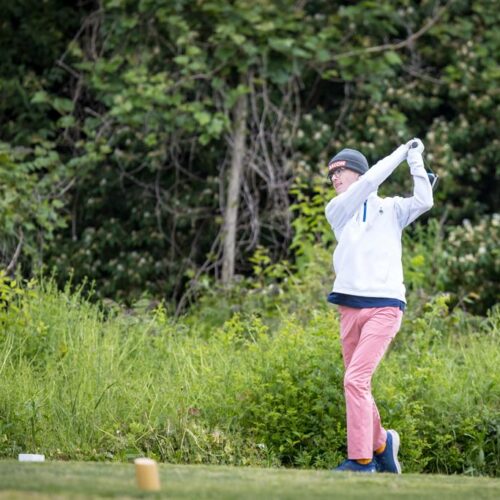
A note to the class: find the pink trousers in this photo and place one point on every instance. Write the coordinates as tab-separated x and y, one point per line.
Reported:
365	335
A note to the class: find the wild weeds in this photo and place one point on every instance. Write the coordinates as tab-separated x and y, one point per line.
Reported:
83	382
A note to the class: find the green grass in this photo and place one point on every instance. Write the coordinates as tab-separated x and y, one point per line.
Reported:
72	479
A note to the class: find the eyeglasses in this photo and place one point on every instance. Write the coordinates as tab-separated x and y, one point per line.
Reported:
335	172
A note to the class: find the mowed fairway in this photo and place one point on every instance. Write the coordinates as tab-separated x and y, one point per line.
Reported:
93	480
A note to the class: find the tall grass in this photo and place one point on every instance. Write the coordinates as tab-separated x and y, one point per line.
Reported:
85	382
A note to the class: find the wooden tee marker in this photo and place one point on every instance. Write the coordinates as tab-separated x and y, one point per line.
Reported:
146	474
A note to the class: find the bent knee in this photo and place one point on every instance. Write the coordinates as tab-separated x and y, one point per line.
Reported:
356	382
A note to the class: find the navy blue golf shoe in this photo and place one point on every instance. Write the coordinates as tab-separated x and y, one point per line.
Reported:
387	461
353	466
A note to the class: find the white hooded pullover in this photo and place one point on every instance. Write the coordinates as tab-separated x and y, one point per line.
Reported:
367	260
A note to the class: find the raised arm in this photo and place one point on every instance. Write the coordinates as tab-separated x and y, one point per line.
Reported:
408	209
341	208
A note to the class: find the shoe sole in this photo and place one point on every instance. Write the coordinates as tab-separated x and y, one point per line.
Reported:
395	450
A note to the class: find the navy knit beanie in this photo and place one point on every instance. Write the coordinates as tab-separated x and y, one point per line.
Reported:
349	158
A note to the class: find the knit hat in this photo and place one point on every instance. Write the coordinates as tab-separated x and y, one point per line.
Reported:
349	158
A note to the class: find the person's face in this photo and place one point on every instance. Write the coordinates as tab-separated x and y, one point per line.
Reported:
342	178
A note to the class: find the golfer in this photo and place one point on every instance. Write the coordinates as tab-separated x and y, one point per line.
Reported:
368	287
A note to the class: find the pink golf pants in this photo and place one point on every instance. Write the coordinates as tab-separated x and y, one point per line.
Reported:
365	335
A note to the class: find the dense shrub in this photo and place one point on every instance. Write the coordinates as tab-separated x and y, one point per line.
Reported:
472	258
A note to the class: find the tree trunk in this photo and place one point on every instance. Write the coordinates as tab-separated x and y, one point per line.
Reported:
233	194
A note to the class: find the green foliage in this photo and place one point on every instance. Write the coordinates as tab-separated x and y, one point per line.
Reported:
30	206
148	130
82	382
473	271
461	261
439	402
294	405
133	103
311	229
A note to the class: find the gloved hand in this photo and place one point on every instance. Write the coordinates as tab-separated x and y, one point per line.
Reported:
414	155
419	148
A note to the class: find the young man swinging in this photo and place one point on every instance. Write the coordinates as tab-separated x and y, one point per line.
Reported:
368	287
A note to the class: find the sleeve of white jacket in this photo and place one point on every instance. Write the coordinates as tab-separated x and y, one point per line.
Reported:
408	209
341	208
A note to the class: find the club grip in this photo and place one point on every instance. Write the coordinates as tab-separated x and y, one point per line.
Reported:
414	144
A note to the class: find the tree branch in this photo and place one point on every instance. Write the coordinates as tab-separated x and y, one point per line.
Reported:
17	253
397	46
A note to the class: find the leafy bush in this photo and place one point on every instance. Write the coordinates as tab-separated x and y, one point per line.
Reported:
472	257
439	387
30	205
461	261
